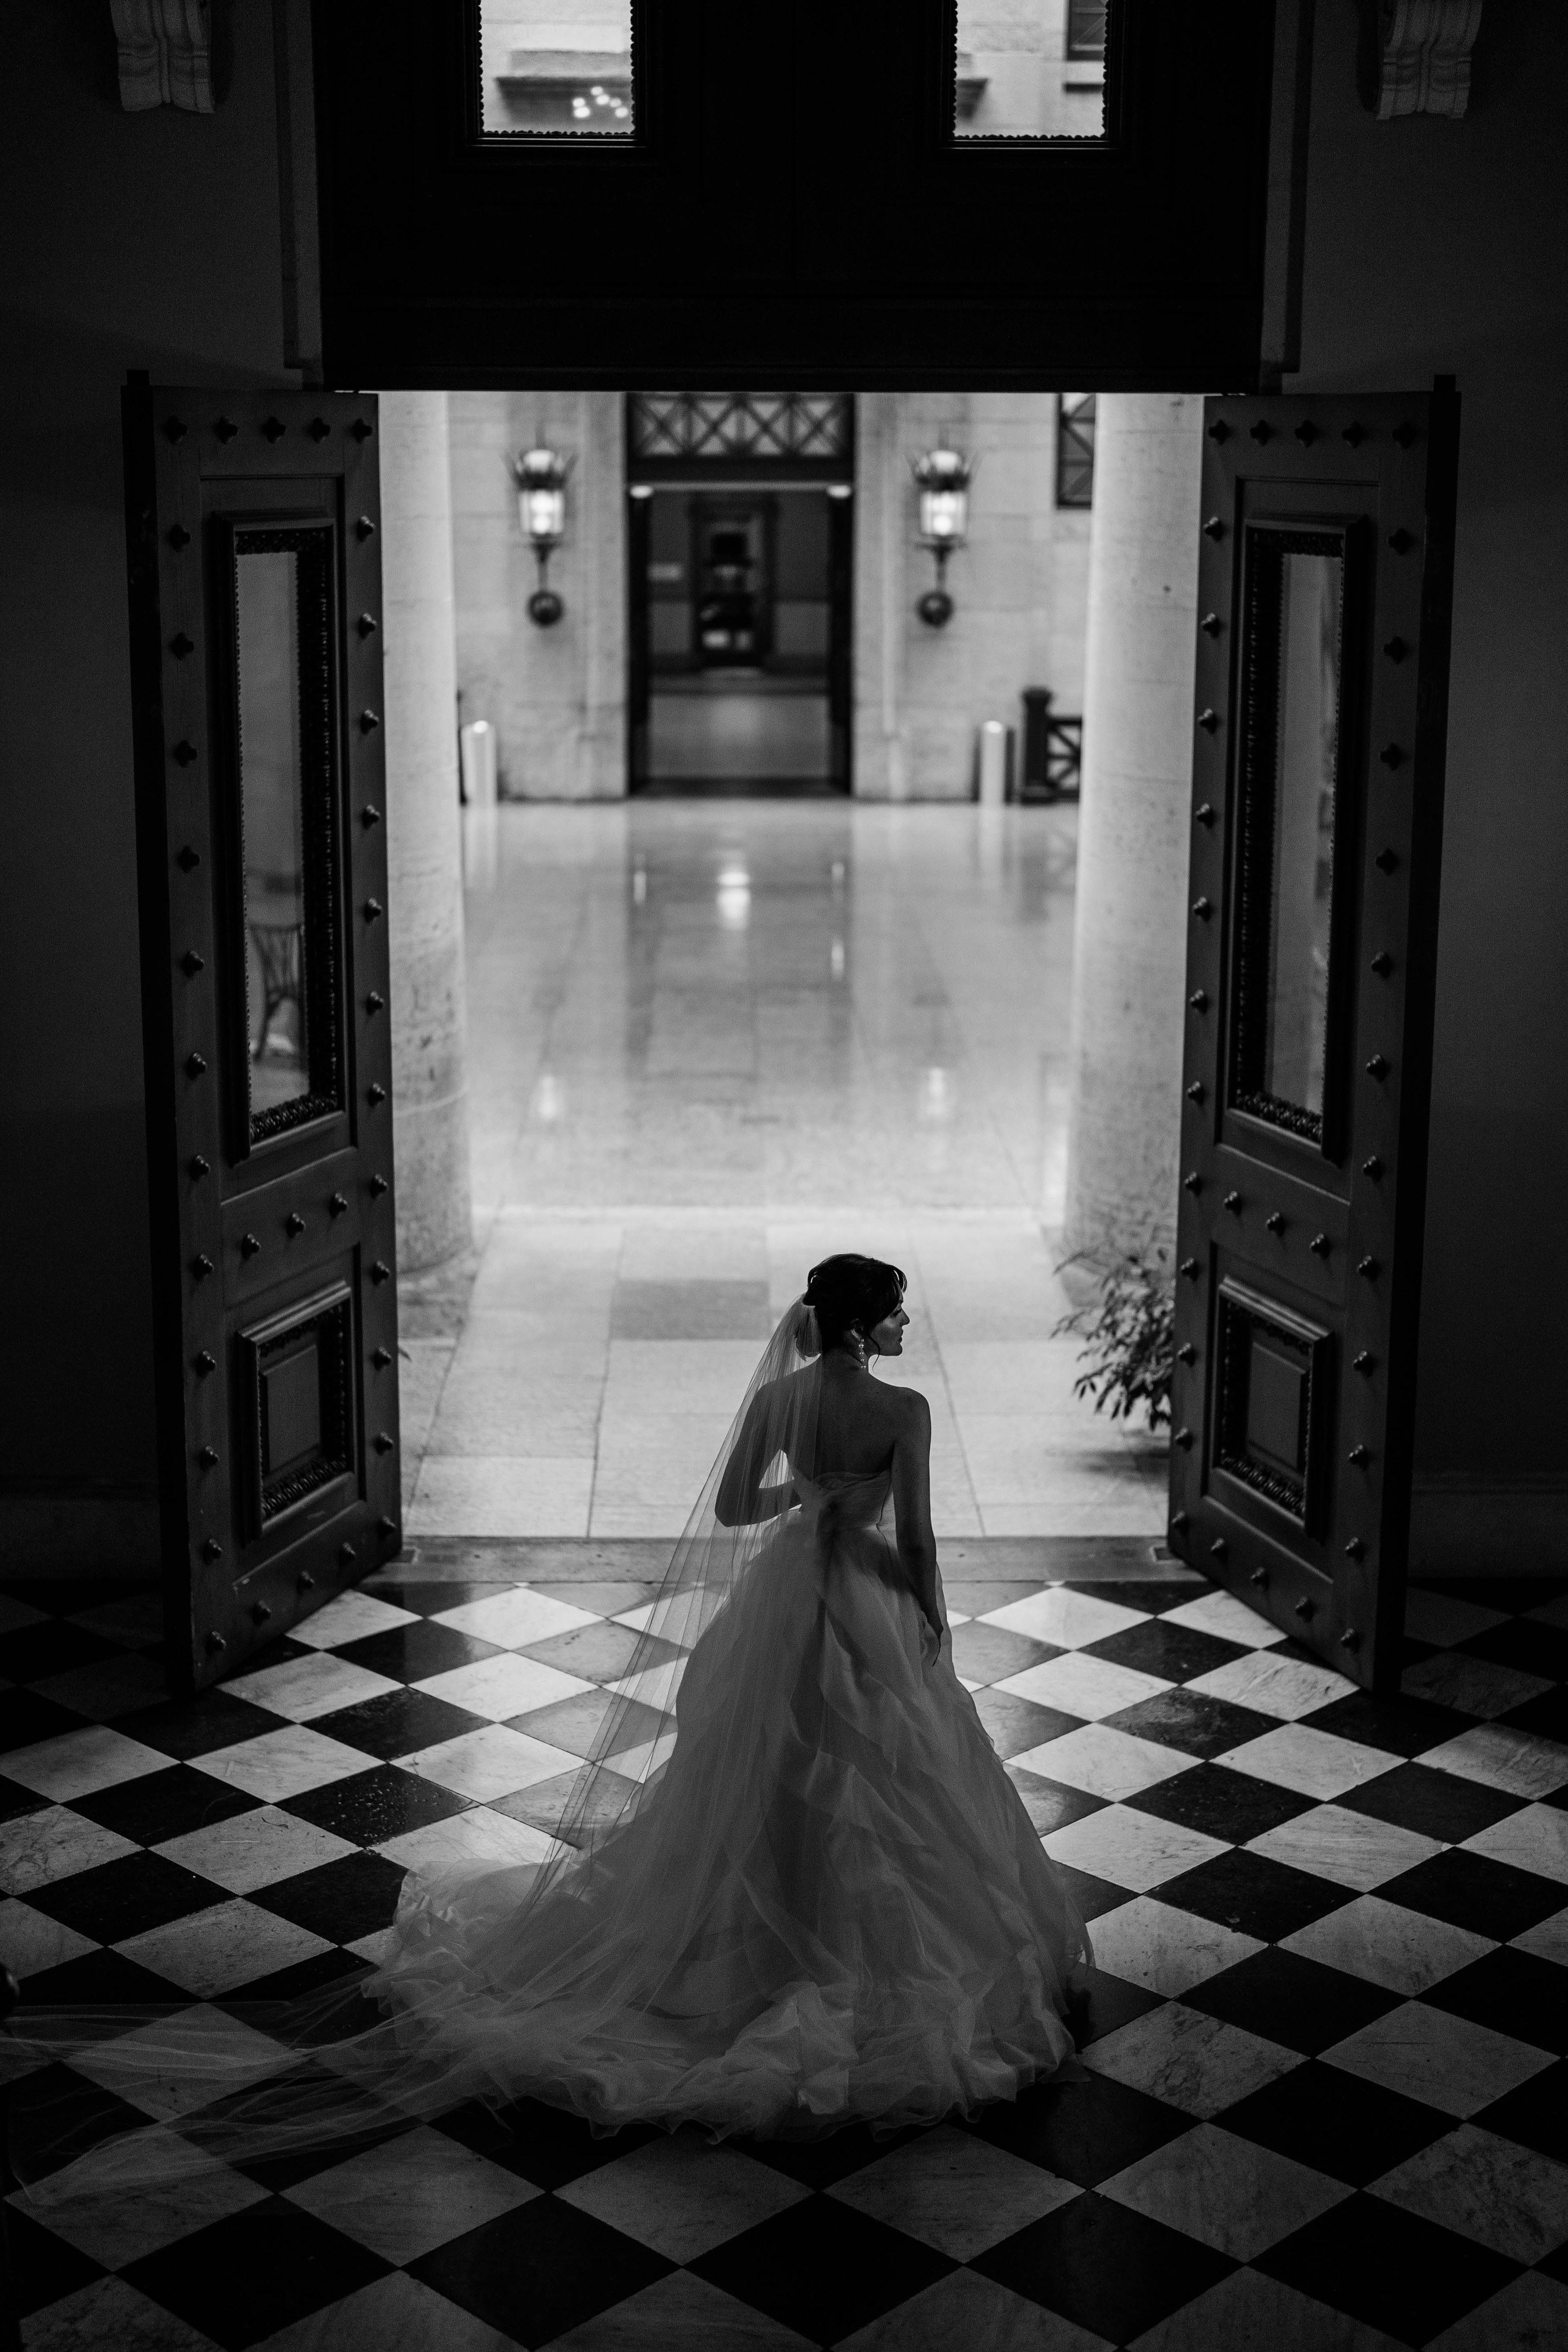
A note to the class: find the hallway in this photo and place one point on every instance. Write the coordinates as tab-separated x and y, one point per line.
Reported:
710	1043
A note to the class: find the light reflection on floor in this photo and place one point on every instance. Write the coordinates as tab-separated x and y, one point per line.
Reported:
709	1043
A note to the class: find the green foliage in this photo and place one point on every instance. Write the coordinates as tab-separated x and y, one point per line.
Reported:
1127	1331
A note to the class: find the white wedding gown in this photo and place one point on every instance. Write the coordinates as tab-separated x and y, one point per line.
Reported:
828	1905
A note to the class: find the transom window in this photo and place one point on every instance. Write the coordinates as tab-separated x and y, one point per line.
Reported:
1030	69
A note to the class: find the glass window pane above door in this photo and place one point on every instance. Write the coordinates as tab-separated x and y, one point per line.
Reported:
556	68
1030	69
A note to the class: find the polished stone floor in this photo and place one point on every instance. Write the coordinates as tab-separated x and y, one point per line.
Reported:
709	1043
1325	2105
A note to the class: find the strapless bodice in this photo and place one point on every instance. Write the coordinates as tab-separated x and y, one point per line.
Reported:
849	1499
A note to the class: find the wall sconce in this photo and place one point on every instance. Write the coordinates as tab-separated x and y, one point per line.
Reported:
943	477
541	478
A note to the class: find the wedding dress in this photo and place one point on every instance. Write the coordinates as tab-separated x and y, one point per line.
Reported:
792	1886
821	1900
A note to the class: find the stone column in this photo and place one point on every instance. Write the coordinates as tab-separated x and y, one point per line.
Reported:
1130	939
424	839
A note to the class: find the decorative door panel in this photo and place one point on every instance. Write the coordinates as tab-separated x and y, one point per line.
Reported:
255	610
1323	653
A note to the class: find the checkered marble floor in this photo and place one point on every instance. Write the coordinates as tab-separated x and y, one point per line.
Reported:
1327	2096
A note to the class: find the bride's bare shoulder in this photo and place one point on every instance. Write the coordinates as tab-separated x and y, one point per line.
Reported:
908	1407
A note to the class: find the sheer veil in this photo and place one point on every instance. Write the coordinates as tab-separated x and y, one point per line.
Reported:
484	1959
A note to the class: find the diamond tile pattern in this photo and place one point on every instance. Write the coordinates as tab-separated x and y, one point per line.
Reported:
1324	2075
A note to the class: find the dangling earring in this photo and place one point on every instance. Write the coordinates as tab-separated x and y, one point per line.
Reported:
862	1353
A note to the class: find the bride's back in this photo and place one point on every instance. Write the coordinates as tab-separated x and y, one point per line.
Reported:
859	1422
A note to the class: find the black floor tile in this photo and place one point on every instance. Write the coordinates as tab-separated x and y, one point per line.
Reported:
1250	1892
1091	1895
243	2279
1435	1804
370	1807
1235	1806
1104	2003
543	1804
1015	1723
354	1895
1555	2265
820	2163
1293	2000
1512	1593
57	2114
27	1718
1192	1722
409	1653
1177	1653
1514	1993
53	1647
541	2144
43	2267
161	1805
1470	1890
16	1801
1400	1725
397	1723
1524	1642
1156	1594
1350	2129
125	1898
430	1597
1546	1716
1083	2131
1536	2114
1110	2269
302	1977
1388	2268
539	2270
1048	1804
101	1980
823	2269
183	1727
982	1654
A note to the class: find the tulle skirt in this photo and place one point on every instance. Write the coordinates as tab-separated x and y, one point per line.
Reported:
828	1905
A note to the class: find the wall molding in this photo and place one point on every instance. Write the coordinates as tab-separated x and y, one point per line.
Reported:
165	54
1469	1526
1416	55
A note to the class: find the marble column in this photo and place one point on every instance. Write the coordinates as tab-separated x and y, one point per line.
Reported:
1130	941
424	841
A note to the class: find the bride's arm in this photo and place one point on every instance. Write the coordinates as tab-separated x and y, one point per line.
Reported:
740	1502
911	1504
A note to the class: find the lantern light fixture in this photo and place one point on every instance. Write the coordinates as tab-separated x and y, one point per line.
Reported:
942	477
540	475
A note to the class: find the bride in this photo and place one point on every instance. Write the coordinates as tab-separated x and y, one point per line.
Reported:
816	1896
792	1888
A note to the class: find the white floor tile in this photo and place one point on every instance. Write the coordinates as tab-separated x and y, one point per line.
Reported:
351	1616
1520	1762
514	1616
1249	2312
412	2194
1447	2062
1228	2193
1231	1620
209	1953
503	1686
1388	1945
176	2064
1130	1848
954	2191
301	1688
1287	1687
1548	1940
279	1764
30	1941
92	2206
478	1835
255	1849
1528	2315
1314	1763
109	2316
1487	2187
682	2196
1536	1838
1066	1619
1192	2062
494	1762
394	2314
38	1848
1077	1685
79	1763
1164	1949
1352	1850
1105	1762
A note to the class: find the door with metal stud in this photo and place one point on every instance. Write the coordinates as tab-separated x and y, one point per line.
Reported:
1323	653
255	581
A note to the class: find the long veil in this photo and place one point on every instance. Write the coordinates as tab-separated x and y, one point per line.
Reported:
482	1959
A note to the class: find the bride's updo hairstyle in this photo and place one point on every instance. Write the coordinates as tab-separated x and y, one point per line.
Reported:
850	1289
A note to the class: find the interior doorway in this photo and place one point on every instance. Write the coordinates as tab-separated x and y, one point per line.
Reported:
740	563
